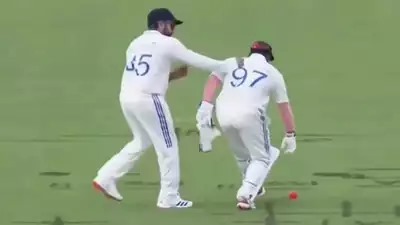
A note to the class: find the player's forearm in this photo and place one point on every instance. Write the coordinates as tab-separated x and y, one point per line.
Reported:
286	113
210	89
200	61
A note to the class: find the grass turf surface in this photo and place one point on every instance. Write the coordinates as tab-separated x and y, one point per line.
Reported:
61	64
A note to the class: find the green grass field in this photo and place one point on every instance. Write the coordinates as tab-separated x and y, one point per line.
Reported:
60	66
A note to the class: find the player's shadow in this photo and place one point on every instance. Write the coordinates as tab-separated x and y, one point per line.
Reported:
269	206
323	137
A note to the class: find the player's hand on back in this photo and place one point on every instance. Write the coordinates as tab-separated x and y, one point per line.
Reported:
289	142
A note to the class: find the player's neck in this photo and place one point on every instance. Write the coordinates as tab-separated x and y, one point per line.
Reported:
151	29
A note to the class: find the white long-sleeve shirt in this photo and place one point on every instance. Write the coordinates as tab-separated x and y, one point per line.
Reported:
149	59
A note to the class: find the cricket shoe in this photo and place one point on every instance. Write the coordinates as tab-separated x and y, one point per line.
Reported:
245	204
179	204
109	190
261	192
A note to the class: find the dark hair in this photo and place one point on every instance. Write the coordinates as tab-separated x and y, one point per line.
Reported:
152	26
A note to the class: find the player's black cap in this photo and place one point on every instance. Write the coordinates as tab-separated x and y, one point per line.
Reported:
161	14
263	48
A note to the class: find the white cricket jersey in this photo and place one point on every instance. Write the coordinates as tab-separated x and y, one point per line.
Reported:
248	89
149	59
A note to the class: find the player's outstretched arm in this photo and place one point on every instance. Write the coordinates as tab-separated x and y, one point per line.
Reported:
189	57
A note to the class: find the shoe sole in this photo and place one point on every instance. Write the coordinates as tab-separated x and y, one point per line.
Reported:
174	207
244	205
99	188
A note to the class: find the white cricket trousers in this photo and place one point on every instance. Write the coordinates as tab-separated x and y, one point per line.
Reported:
249	139
150	120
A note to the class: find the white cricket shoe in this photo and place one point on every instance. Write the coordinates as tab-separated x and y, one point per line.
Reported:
109	190
179	204
245	203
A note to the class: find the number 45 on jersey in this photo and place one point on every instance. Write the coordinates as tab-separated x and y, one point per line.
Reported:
139	64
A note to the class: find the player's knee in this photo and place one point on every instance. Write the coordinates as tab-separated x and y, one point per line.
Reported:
242	159
261	157
136	146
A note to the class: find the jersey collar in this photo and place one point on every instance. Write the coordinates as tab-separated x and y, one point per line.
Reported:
151	32
258	57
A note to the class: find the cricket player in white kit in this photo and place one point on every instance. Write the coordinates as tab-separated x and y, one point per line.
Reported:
149	59
247	85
